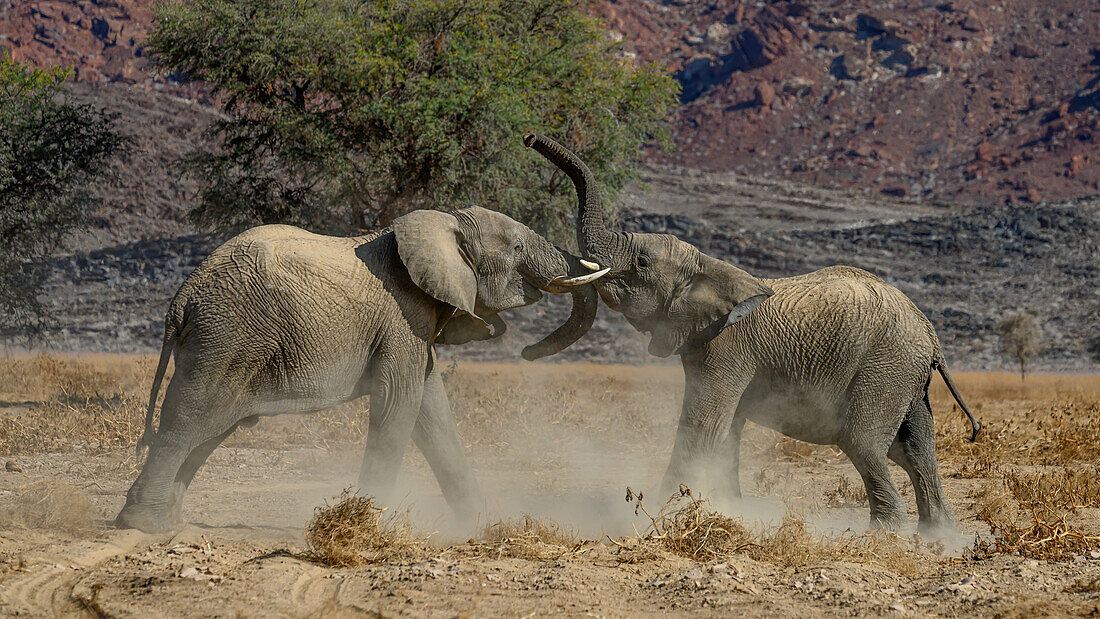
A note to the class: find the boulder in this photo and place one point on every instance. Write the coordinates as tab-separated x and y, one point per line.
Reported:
1023	50
849	67
764	94
797	86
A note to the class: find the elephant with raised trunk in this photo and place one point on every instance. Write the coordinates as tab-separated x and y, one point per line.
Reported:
836	356
280	320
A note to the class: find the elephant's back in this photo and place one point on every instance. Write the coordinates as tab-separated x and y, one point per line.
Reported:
837	321
279	262
310	299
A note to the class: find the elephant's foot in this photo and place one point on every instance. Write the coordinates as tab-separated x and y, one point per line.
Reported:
887	521
937	529
145	519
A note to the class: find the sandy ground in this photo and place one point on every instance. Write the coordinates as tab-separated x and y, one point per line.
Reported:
243	552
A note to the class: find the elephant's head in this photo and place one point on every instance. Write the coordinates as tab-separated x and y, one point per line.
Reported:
482	262
662	285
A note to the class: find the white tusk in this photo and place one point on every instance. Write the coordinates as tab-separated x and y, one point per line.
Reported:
592	266
568	282
561	284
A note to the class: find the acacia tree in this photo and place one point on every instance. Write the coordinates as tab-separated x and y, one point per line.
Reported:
1019	338
347	113
49	149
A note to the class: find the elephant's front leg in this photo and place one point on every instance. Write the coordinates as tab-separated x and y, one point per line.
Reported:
436	435
709	401
397	387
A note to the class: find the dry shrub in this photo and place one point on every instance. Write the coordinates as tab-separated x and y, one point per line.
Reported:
354	531
846	494
527	538
54	505
1042	523
687	527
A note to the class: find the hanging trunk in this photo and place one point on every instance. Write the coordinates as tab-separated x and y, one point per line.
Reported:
545	266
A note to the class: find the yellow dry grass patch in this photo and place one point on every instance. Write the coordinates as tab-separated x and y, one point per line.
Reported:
1036	514
686	526
526	538
353	530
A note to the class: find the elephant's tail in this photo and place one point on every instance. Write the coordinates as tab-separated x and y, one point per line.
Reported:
941	364
170	331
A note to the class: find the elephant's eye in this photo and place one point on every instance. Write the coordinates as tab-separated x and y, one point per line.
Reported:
642	261
518	247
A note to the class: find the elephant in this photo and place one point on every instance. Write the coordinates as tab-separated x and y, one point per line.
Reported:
837	356
280	320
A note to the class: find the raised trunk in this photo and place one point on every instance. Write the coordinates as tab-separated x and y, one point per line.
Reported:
594	238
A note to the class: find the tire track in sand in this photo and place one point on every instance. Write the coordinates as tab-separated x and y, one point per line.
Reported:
46	589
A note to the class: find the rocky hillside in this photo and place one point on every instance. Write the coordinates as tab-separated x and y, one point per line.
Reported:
925	118
956	100
962	101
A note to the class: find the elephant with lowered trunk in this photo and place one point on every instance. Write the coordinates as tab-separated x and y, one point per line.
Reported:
279	320
836	356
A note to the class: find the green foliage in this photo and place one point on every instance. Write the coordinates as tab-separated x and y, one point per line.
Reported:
48	149
345	113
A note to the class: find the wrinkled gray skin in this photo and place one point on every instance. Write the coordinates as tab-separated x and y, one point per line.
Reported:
836	357
279	320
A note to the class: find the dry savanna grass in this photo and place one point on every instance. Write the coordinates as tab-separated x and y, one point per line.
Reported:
526	538
51	504
353	530
688	527
1029	459
1036	514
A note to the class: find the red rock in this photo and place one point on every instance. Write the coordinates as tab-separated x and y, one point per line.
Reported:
764	94
1023	50
1033	195
972	23
1076	164
985	152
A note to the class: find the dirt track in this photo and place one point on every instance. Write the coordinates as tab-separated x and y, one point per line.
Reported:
558	442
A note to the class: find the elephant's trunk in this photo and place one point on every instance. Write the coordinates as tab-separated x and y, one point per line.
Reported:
555	270
581	317
594	238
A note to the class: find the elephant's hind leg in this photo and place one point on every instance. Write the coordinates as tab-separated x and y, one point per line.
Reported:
186	473
149	499
914	450
887	507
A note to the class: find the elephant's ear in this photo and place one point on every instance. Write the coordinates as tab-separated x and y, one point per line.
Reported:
428	243
717	295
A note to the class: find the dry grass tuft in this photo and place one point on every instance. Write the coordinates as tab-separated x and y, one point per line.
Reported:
1043	523
687	527
846	494
54	505
527	538
353	531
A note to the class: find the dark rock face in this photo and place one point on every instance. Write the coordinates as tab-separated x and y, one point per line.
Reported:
767	36
965	269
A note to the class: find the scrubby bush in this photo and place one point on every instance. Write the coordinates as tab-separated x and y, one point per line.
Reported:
346	113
